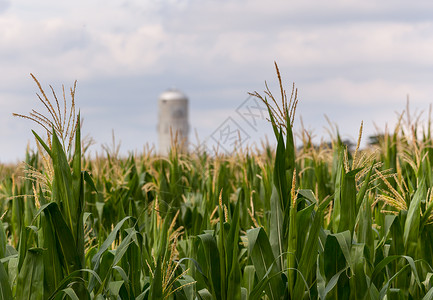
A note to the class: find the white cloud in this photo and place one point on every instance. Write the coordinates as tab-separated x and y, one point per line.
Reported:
363	93
4	5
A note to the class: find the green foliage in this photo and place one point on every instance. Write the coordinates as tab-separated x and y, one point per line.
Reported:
320	222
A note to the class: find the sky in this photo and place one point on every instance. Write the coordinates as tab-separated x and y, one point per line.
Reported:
351	61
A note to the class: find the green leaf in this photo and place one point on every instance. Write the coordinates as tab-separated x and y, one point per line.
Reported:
291	248
334	259
222	252
52	265
5	288
89	181
358	282
212	266
365	233
71	293
308	256
204	294
364	187
43	144
263	259
411	226
62	185
428	295
104	247
290	148
74	277
233	268
114	287
156	281
66	247
347	202
248	278
332	283
387	260
30	282
345	241
276	234
3	240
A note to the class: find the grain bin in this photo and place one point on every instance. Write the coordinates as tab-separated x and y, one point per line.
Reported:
172	120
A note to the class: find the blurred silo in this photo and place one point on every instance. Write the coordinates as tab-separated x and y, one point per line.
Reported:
172	120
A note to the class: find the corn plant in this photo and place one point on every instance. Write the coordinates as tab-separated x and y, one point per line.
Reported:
310	222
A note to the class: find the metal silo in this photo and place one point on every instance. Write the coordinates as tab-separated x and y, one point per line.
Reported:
172	120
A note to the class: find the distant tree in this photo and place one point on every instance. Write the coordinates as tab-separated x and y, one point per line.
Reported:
374	140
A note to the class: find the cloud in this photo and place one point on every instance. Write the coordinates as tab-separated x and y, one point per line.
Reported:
188	36
4	5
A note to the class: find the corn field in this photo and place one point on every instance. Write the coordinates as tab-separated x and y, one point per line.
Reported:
313	222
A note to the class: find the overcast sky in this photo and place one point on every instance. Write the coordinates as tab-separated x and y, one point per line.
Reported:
350	60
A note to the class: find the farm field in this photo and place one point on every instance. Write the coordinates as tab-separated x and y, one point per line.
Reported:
314	222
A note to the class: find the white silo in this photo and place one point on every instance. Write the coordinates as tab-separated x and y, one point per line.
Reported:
172	120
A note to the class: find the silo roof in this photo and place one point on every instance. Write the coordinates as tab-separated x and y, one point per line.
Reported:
172	95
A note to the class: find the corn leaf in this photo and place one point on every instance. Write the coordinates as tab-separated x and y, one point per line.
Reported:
263	259
31	276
